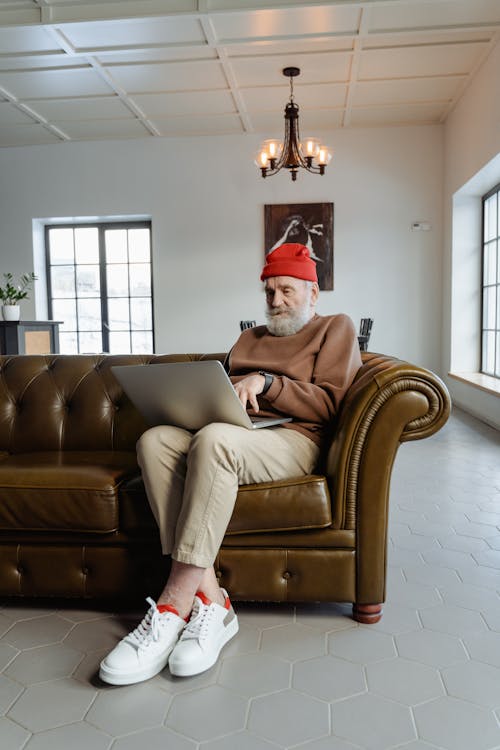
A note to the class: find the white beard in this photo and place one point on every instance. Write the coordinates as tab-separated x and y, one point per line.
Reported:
287	322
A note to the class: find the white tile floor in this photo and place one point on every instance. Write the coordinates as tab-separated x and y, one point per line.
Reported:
426	677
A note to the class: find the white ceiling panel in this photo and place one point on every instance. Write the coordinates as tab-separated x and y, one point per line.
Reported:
320	96
136	33
10	115
26	39
448	59
185	103
262	24
218	124
38	84
170	76
103	69
103	107
406	90
321	68
25	135
436	13
397	115
97	129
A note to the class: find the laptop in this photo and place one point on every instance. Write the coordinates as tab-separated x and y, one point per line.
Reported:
187	394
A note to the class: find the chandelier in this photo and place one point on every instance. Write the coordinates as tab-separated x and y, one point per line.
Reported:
292	153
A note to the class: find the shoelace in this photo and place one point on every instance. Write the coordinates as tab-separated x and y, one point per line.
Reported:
199	623
150	628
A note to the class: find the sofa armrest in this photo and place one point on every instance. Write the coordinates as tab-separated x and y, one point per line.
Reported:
389	402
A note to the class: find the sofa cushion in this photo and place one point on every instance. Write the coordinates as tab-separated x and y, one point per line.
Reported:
70	491
287	505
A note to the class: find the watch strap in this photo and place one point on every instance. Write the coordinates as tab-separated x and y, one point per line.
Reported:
268	380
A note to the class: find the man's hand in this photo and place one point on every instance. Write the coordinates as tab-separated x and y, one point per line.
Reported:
249	388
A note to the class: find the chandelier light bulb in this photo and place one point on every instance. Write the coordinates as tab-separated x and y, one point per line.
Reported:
310	147
324	156
262	158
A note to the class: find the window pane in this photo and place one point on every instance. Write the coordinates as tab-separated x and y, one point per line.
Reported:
119	343
497	366
489	300
88	283
87	245
62	280
65	311
89	314
118	314
90	342
117	278
490	218
61	246
140	308
68	343
489	352
138	246
498	308
116	245
142	342
490	263
140	280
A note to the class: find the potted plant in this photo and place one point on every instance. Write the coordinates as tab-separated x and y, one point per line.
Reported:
11	294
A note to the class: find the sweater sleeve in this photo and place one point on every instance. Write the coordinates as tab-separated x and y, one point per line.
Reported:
337	362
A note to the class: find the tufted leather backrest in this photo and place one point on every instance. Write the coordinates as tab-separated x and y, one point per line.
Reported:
70	402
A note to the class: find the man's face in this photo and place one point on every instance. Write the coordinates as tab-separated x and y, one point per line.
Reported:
290	304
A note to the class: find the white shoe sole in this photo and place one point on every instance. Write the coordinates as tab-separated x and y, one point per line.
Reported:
201	665
115	677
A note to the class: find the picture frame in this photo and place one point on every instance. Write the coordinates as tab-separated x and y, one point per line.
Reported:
310	224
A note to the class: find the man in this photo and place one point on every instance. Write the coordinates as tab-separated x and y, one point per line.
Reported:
299	365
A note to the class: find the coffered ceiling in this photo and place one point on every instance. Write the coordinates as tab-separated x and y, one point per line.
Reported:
90	69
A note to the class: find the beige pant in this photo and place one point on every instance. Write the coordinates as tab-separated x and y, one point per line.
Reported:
192	480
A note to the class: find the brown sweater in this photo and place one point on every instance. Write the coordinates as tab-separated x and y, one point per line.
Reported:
313	370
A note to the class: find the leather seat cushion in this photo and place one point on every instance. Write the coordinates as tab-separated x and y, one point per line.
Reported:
70	490
287	505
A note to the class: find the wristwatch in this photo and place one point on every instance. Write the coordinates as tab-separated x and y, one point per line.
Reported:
268	380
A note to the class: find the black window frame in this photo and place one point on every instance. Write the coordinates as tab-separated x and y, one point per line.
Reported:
102	226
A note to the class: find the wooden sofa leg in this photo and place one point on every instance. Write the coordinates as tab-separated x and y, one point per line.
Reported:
367	613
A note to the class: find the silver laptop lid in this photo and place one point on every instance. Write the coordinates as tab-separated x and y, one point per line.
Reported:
186	394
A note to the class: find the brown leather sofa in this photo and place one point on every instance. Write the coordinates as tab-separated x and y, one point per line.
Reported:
75	522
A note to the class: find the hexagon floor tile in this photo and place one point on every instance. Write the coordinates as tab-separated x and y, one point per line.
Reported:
302	676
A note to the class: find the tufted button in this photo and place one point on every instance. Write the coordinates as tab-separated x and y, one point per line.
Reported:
218	573
85	571
287	575
20	570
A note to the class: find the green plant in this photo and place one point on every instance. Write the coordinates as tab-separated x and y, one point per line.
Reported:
11	294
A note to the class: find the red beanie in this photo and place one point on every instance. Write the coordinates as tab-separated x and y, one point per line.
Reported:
291	259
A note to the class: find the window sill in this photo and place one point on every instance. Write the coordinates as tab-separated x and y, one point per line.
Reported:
478	380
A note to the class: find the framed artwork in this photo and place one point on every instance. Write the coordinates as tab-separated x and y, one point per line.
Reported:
311	224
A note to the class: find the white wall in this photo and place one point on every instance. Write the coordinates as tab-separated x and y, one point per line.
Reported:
472	166
206	201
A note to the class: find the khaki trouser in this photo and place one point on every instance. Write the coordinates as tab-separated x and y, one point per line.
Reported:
192	480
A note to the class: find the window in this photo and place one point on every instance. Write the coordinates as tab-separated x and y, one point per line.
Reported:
490	349
100	286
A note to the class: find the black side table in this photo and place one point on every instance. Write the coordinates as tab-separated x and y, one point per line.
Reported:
29	336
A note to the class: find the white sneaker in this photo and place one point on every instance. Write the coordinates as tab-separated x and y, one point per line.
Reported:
211	626
144	652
